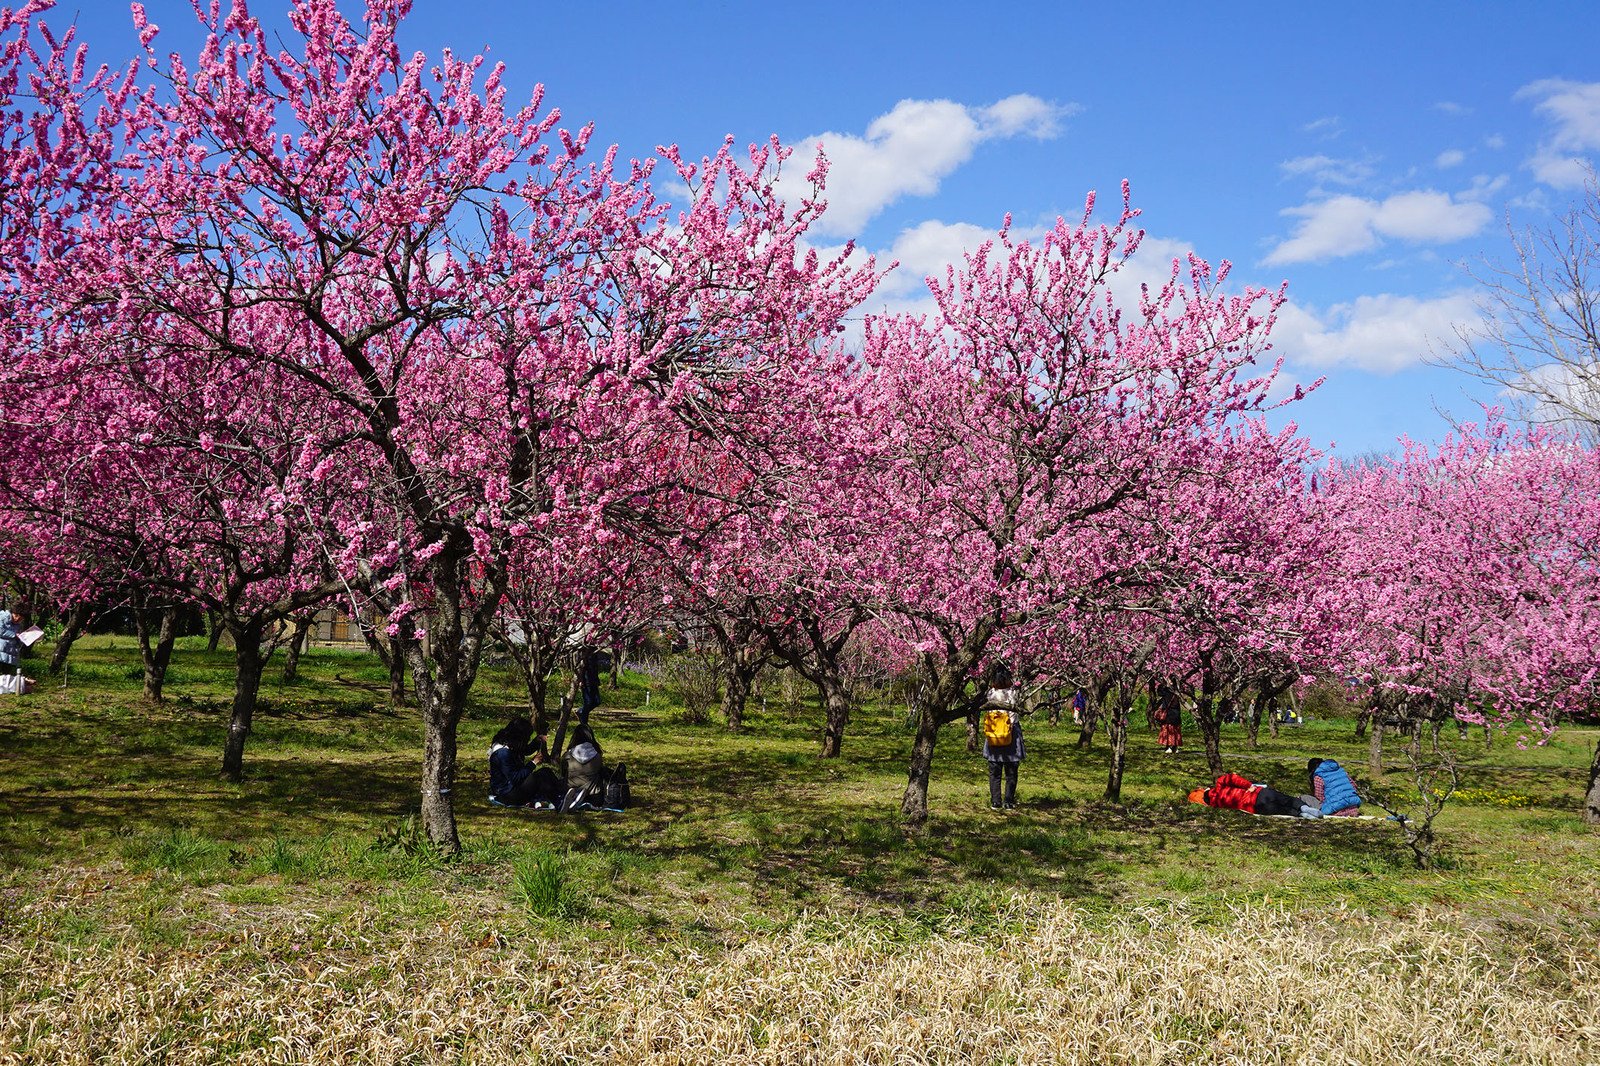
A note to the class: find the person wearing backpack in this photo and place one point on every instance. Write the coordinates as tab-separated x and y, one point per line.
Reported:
1002	737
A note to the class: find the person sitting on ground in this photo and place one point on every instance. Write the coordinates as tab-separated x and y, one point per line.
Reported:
586	770
512	782
1232	792
1334	791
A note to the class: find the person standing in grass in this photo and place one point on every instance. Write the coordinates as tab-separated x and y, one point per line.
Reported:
1002	746
12	622
1169	721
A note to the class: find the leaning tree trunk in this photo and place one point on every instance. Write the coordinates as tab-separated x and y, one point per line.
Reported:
77	619
158	656
1591	798
297	642
246	685
1117	727
213	631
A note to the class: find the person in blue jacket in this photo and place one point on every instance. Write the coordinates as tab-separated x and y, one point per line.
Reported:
1333	789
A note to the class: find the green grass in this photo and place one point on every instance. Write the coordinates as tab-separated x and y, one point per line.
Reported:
728	832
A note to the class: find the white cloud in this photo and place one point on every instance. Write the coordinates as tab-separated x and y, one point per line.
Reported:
1573	107
1453	157
910	150
1329	126
1383	334
1450	107
1328	169
1483	187
1345	225
1494	141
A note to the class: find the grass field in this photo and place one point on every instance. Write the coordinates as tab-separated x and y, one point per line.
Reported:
757	904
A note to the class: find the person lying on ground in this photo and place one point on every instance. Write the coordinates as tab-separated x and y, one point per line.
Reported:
1235	793
512	782
1334	791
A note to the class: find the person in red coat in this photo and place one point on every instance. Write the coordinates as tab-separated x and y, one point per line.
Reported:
1235	793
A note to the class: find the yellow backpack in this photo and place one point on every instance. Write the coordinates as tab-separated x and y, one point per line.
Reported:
997	727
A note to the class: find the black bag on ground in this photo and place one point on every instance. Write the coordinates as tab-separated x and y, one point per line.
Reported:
617	795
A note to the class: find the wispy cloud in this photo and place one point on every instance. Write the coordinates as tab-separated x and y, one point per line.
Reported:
1328	170
1346	225
1573	108
1328	127
1450	107
912	148
1452	157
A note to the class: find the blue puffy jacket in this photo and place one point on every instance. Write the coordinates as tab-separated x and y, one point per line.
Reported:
1338	791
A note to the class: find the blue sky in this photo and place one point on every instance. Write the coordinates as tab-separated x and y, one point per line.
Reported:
1362	152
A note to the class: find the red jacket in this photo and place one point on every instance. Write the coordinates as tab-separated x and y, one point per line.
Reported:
1233	792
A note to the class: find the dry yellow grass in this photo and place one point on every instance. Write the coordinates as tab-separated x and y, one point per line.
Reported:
1058	984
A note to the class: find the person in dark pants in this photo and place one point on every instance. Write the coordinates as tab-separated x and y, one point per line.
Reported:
592	664
1004	758
512	782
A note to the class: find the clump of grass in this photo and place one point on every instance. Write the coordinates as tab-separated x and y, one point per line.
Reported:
179	851
542	883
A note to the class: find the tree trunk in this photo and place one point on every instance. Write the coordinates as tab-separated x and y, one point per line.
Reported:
213	631
246	685
1375	747
157	656
1117	727
538	687
1091	715
297	642
1205	716
736	678
77	618
1252	725
836	712
1591	798
914	803
441	703
564	719
974	736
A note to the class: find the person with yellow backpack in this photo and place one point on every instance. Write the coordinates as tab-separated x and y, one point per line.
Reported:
1002	736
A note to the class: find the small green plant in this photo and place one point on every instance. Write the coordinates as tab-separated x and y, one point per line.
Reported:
542	884
183	851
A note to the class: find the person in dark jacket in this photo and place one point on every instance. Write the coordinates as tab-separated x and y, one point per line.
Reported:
1235	793
1335	793
1169	719
1004	759
512	782
586	771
